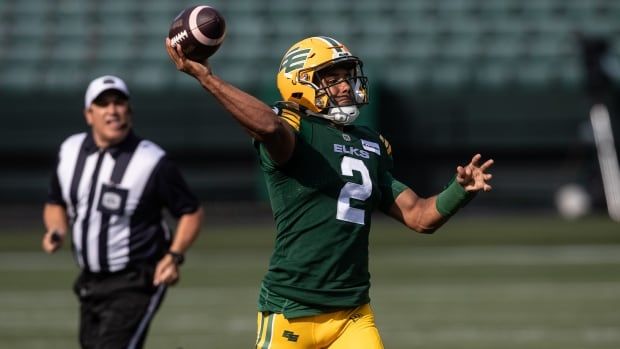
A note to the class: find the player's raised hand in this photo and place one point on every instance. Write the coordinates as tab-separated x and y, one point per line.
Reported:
474	177
186	65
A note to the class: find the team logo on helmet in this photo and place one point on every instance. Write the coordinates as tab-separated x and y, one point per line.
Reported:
294	59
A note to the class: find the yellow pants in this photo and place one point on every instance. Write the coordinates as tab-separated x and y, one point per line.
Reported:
346	329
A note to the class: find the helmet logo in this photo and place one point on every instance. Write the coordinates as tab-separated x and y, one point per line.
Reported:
294	59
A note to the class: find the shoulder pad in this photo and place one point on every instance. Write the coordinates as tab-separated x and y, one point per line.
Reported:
292	118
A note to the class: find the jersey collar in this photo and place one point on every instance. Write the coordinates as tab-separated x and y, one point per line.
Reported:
127	144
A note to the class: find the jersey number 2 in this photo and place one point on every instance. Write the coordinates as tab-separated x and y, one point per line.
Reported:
353	191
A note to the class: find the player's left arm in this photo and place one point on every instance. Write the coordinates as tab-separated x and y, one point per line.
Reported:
425	215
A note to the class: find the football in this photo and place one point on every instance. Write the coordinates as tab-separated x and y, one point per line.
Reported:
200	30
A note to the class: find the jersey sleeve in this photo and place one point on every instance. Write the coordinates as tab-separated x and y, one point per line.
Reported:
54	192
390	187
173	191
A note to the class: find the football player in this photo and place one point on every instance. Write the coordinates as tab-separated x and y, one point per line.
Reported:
325	176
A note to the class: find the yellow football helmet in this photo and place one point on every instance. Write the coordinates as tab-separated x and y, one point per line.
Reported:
299	78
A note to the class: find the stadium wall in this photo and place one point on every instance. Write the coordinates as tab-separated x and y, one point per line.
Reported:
534	135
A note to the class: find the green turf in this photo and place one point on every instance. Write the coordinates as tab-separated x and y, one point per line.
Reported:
504	282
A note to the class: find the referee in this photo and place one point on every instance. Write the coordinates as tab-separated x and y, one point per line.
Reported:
110	188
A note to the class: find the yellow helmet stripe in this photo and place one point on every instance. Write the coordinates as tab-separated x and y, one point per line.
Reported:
335	44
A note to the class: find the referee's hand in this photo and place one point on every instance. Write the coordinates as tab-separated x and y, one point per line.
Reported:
52	241
166	272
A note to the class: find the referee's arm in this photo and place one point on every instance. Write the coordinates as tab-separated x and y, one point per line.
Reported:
174	192
188	227
56	225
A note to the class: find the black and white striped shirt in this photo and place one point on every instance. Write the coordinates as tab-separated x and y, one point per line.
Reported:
114	199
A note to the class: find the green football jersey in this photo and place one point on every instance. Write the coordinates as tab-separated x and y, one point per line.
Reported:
322	200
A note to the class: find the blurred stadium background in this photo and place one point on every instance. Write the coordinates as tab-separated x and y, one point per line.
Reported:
512	79
450	77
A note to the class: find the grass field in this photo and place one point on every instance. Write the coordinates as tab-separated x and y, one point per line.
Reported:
503	282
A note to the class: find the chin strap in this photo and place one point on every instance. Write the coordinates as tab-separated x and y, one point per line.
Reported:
340	115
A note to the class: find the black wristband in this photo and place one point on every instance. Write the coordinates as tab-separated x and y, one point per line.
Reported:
177	258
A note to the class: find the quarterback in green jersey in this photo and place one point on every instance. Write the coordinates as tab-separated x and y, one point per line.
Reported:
325	176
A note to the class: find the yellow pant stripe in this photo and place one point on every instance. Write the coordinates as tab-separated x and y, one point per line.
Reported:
267	338
259	334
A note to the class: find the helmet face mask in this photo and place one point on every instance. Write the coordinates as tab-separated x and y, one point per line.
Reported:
358	87
304	66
